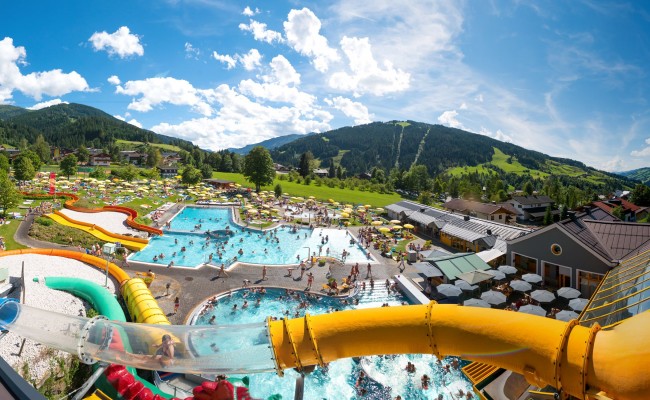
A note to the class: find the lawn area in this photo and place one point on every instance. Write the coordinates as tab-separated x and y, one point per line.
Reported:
500	159
320	192
7	231
133	144
460	171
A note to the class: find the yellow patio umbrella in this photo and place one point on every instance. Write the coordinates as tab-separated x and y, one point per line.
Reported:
347	210
395	221
239	196
377	223
330	200
367	206
336	203
345	215
379	210
348	206
397	227
311	197
384	230
408	226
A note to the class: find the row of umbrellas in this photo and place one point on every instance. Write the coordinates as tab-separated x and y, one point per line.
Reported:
493	297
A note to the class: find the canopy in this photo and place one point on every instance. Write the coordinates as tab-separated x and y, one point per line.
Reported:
566	315
376	223
493	297
532	278
543	296
464	285
520	286
534	310
395	221
449	290
476	303
578	304
408	226
473	277
428	270
507	269
568	293
496	275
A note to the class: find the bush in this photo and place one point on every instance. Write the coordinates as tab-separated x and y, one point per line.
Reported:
321	262
44	221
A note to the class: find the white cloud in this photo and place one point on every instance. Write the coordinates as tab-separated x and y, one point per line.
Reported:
35	84
283	71
114	80
46	104
352	109
366	75
121	43
302	30
463	106
249	13
132	121
191	51
498	135
156	91
261	33
226	59
616	164
645	152
449	118
250	60
241	120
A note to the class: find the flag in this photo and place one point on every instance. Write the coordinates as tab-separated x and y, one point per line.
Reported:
52	182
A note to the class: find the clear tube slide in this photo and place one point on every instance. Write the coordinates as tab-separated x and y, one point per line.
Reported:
179	348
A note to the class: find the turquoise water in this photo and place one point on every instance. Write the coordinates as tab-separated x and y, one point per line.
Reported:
339	382
278	246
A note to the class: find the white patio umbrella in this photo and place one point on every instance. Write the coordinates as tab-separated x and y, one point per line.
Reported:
496	274
477	303
507	269
578	304
449	290
493	297
520	286
464	285
532	278
566	315
568	293
543	296
534	310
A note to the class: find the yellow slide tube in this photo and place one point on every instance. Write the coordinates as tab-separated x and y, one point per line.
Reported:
579	360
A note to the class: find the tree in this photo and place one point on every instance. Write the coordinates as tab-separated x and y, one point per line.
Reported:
564	212
153	156
4	163
278	191
425	197
226	163
548	216
258	167
128	173
528	188
618	213
23	169
332	170
69	165
206	171
98	173
304	166
9	196
82	154
641	195
41	148
191	175
33	157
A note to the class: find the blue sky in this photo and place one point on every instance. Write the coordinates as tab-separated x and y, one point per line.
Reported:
566	78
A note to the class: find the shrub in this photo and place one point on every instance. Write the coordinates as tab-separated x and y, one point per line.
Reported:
44	221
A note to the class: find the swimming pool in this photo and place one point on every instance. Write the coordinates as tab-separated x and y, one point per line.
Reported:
387	372
278	246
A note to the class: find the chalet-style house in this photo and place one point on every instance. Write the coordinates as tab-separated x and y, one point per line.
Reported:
532	208
490	212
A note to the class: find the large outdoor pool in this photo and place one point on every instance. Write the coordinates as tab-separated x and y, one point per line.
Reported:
278	246
389	377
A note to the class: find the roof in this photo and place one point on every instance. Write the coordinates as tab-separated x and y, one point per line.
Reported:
609	205
461	232
462	205
454	265
428	269
619	238
489	255
578	229
529	200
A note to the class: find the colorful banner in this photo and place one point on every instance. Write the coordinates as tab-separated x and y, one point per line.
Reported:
52	182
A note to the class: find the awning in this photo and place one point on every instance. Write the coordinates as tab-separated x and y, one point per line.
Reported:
428	270
455	264
474	277
489	255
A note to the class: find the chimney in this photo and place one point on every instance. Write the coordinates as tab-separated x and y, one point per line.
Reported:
588	209
466	218
572	215
489	232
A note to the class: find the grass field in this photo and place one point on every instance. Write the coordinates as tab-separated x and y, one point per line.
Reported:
320	192
8	232
459	171
130	143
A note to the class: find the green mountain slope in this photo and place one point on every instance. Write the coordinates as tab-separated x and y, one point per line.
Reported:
269	143
443	150
7	111
640	174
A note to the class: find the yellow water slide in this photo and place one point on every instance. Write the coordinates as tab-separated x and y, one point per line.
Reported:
129	242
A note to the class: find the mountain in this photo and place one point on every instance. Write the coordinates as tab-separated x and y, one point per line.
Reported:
641	174
443	150
71	125
270	144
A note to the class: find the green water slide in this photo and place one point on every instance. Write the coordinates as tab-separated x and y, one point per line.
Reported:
106	304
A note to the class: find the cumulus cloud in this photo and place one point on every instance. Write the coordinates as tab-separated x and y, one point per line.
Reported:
114	80
366	75
302	30
132	121
226	59
283	72
46	104
449	118
645	152
498	135
250	60
259	31
249	13
153	92
121	43
35	84
191	51
352	109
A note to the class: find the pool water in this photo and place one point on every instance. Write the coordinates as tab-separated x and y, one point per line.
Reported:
277	246
339	382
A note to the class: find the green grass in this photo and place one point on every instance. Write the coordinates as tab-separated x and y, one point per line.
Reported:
133	144
56	233
320	192
8	232
403	124
500	159
459	171
337	158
